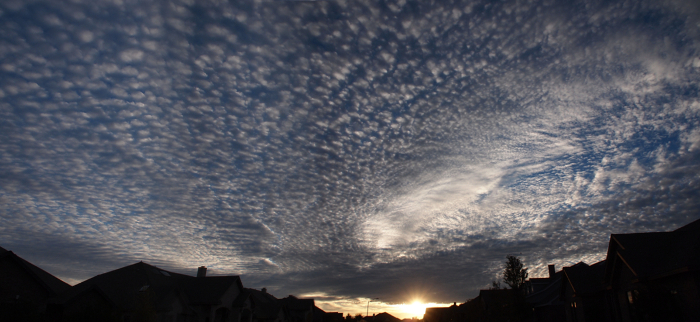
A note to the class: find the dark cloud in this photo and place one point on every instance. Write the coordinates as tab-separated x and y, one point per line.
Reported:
346	149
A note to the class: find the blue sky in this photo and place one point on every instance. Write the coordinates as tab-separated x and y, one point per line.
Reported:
344	149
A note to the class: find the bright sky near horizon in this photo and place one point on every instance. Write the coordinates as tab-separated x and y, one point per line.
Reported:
345	149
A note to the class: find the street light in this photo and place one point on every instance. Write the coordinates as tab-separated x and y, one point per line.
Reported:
376	298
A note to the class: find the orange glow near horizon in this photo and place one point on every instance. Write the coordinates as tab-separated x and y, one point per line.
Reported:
354	306
414	309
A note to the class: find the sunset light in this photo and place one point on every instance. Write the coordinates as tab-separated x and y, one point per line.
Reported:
416	308
374	159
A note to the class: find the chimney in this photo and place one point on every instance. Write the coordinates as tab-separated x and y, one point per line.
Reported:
551	271
202	271
264	290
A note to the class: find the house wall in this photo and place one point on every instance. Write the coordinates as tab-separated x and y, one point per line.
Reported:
595	308
672	298
204	313
622	278
571	313
90	306
242	314
280	316
15	280
226	303
176	311
586	308
246	314
687	287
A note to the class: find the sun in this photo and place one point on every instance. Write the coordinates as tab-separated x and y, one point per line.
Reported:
415	309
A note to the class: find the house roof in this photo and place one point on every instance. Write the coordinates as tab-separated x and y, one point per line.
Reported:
51	283
266	306
241	299
585	279
439	311
546	291
497	298
383	317
207	290
298	308
122	286
445	314
693	226
653	255
297	304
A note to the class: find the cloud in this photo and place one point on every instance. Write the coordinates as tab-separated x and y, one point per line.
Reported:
399	149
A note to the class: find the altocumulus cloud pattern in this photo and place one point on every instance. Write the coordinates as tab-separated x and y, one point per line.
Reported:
347	148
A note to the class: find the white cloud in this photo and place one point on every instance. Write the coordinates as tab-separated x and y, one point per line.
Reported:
300	140
131	55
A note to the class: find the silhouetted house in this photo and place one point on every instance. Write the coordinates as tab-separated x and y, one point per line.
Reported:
385	317
585	294
329	316
145	292
544	296
490	305
474	310
323	316
655	276
382	317
500	305
301	310
320	315
24	287
266	307
244	305
452	313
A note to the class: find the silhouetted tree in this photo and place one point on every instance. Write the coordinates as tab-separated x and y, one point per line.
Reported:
495	285
514	274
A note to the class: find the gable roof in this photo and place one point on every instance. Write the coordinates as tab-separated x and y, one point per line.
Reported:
240	300
654	255
298	308
440	314
585	279
546	290
693	226
123	286
50	283
297	304
383	317
266	306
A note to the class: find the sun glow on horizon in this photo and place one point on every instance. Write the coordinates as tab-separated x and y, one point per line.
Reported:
416	308
354	306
